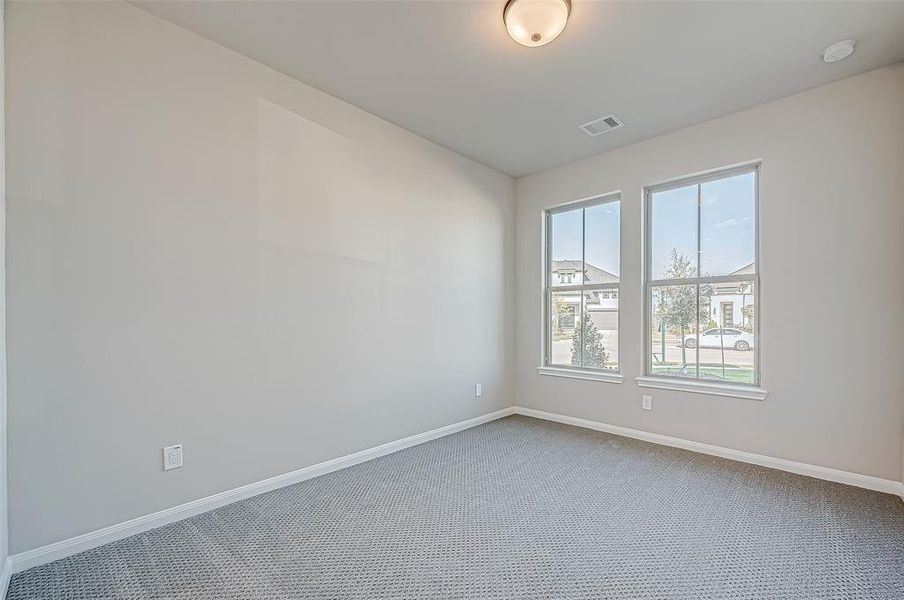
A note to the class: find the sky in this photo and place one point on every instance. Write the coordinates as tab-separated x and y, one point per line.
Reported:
727	225
602	230
727	228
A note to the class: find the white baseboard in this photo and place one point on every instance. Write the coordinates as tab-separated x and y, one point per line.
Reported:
6	572
51	552
864	481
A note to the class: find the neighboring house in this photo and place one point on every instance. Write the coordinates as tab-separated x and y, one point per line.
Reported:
728	301
602	305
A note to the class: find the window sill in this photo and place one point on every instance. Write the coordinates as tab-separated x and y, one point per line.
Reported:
702	387
578	374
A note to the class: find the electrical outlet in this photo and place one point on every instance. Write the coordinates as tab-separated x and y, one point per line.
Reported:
478	390
172	457
647	402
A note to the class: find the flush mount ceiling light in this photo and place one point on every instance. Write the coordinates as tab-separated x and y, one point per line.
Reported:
535	22
838	51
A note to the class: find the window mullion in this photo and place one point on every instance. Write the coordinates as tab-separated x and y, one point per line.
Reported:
699	274
583	243
583	269
581	333
699	227
697	333
703	280
590	287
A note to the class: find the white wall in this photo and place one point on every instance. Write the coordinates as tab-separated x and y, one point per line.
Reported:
4	530
194	239
832	195
204	251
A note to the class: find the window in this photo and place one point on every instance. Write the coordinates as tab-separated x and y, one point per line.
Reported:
566	318
702	278
581	322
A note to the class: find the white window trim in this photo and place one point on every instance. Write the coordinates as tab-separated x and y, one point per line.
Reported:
751	391
547	368
703	386
586	374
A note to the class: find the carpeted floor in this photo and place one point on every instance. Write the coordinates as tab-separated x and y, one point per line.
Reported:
516	508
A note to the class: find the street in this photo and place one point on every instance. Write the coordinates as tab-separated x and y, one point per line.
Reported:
738	363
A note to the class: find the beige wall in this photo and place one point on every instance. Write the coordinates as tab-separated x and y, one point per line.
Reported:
204	251
832	261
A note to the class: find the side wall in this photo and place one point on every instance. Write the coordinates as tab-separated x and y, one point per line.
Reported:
4	529
832	262
204	251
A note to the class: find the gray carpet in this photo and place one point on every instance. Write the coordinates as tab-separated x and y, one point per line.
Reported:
516	508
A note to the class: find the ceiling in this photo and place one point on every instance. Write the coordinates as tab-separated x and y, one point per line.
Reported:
448	71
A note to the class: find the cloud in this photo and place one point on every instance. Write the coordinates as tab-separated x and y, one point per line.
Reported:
730	223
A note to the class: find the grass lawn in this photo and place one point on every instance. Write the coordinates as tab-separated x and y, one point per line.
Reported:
714	372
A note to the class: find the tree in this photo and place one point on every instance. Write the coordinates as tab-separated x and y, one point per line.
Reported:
680	267
678	303
562	312
587	345
748	313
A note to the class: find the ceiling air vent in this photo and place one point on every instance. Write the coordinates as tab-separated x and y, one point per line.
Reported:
601	125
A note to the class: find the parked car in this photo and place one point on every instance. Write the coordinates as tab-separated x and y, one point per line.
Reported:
721	338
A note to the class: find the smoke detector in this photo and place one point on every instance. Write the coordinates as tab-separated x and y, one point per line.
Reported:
601	125
838	51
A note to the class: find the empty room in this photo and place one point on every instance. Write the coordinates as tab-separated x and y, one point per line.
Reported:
452	299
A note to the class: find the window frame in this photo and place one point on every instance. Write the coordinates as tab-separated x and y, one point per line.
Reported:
549	288
670	381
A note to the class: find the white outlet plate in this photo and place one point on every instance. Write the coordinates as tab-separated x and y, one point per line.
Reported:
647	402
478	390
172	457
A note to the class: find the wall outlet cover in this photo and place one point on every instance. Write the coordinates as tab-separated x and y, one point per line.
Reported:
172	457
647	402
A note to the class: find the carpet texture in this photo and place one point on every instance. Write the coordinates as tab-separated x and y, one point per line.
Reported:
516	508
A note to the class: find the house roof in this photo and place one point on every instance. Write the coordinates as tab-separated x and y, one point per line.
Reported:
734	287
592	273
745	270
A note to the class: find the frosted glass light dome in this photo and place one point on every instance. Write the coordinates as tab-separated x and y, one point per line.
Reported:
536	22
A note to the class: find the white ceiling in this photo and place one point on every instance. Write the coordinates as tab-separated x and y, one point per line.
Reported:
447	70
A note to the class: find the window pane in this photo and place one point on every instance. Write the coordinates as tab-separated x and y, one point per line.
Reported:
673	233
566	231
582	325
601	243
565	314
728	339
599	332
728	225
674	320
